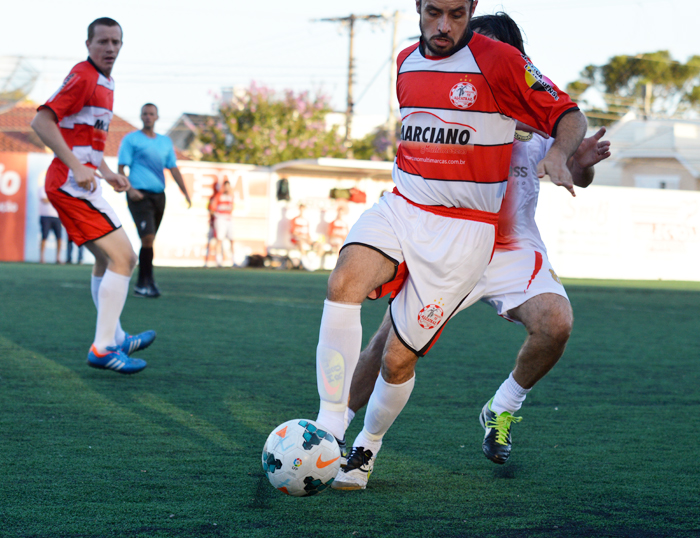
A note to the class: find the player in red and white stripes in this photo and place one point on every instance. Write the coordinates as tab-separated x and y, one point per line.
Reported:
74	123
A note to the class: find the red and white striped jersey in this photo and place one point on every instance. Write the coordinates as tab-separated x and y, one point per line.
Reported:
83	108
458	119
222	204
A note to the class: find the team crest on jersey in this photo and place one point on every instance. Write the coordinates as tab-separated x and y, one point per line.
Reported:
537	81
430	316
463	95
554	276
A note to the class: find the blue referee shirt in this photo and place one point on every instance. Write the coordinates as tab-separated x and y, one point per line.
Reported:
146	158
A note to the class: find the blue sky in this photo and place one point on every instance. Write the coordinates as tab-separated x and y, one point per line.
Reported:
180	53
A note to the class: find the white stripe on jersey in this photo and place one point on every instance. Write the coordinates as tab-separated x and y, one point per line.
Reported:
461	61
88	155
89	115
104	81
485	196
486	129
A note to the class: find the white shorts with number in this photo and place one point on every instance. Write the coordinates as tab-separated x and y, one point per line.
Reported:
514	276
223	226
446	258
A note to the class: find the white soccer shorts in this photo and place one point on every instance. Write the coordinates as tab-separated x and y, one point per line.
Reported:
515	276
446	258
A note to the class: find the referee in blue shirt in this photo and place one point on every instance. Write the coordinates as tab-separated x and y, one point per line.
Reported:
147	154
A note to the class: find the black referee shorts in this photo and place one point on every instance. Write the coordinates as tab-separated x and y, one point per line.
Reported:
147	213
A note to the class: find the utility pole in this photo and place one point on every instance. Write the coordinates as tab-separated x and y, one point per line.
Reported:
391	123
350	22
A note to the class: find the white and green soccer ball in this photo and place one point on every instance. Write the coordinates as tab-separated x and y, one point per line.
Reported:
300	458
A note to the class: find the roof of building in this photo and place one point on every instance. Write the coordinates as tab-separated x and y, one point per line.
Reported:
16	134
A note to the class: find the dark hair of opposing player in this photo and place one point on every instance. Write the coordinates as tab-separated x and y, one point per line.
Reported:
499	26
149	104
102	21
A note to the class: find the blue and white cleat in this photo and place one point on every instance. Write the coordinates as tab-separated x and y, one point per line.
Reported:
115	359
137	342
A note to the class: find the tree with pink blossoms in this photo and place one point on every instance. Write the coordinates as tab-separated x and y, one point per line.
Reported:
263	127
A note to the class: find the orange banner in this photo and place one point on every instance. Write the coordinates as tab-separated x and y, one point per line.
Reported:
13	205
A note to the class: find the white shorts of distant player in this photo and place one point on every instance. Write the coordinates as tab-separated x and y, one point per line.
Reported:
515	276
223	226
446	258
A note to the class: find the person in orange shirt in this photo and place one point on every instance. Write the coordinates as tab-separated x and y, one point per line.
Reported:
338	231
299	230
221	212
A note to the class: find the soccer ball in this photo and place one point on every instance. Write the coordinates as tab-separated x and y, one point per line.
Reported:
300	458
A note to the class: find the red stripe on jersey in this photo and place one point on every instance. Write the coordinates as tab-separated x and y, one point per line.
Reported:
102	97
477	164
449	91
463	213
85	135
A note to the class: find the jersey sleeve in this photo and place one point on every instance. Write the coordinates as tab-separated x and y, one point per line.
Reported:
126	152
71	97
170	158
520	90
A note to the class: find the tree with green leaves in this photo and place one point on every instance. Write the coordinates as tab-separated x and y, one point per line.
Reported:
651	82
263	127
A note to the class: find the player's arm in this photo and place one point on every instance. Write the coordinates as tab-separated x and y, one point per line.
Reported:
591	151
570	132
45	126
119	182
134	194
177	176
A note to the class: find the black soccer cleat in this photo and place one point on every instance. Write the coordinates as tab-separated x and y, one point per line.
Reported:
356	472
497	443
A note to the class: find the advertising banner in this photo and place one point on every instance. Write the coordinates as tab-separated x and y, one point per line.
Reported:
13	197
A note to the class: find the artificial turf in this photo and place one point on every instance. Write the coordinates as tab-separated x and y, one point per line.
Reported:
608	446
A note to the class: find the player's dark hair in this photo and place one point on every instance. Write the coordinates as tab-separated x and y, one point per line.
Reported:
102	21
149	104
499	26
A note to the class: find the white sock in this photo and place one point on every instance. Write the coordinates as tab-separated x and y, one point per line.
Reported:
385	404
509	396
95	282
110	302
339	345
349	415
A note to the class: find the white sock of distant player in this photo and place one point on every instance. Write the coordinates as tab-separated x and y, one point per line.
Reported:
509	396
384	406
339	344
95	282
110	303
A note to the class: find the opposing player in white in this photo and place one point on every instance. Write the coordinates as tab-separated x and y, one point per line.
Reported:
519	283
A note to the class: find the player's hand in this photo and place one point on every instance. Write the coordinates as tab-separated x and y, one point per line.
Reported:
86	177
520	126
554	166
118	182
592	150
134	195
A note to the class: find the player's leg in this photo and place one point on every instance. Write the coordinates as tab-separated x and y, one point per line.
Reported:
360	270
391	392
524	289
57	232
114	262
158	205
44	236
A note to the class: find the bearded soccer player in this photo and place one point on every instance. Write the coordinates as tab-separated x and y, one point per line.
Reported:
519	283
74	124
460	96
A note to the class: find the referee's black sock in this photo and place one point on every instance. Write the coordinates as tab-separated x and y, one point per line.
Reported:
145	267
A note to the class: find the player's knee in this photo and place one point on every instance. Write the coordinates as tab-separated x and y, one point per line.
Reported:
342	287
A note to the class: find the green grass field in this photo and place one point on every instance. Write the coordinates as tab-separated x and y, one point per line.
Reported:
608	446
